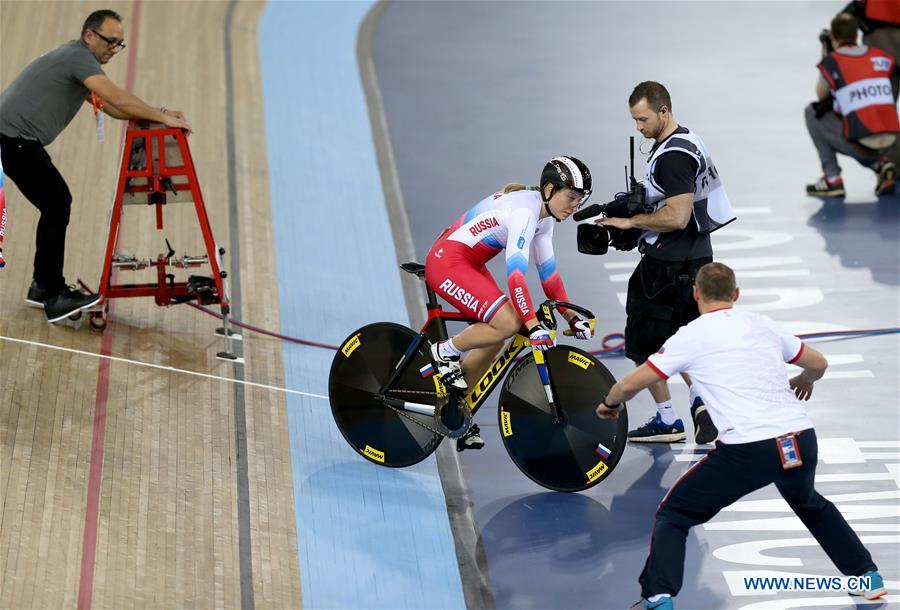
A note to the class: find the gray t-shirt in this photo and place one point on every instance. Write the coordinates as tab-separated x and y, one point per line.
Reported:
45	97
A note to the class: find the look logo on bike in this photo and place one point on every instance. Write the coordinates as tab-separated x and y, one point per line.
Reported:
520	221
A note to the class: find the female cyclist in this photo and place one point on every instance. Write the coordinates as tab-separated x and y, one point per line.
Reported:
519	220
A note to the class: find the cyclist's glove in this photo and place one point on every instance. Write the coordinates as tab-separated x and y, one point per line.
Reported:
580	328
540	338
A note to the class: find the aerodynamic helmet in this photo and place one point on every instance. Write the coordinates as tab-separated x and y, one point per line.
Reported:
567	172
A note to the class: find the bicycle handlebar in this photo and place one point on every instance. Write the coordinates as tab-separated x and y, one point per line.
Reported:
549	303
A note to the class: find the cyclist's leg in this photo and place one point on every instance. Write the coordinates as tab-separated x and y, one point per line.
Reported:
504	324
500	320
473	291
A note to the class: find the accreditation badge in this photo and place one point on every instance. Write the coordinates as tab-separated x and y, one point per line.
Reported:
789	451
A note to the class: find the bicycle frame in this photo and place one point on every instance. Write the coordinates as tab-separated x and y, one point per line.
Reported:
435	329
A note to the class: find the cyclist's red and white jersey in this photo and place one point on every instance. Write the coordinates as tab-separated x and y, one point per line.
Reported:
512	222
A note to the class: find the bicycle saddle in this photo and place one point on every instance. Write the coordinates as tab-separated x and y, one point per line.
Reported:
414	268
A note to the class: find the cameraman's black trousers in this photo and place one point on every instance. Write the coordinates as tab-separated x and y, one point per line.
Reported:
30	167
724	476
660	301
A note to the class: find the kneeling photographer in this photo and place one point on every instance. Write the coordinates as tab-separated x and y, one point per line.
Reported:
856	111
684	202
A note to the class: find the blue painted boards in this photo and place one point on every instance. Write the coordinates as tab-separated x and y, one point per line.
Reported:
367	537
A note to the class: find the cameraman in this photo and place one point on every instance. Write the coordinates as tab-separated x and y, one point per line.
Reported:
688	202
862	81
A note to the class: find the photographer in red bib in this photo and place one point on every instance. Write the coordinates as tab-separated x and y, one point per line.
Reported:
736	358
856	111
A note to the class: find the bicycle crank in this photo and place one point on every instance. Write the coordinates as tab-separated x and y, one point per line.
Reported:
404	408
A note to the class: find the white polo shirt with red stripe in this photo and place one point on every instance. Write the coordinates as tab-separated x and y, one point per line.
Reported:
736	359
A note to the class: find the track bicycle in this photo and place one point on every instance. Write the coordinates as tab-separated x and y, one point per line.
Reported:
393	412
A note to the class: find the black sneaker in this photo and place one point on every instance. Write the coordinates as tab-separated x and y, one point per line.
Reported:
705	430
67	302
470	440
827	187
36	296
887	178
655	431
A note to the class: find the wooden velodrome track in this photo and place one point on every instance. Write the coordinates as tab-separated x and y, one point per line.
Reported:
123	485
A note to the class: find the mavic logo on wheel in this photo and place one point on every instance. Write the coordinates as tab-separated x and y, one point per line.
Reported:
351	345
374	454
505	423
596	472
578	359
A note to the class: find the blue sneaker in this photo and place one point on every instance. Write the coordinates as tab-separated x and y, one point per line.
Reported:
705	430
655	431
663	603
876	588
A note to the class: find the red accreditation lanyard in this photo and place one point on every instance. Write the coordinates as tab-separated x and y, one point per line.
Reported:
97	103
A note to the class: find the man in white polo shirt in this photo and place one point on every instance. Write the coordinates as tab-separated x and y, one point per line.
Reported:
736	358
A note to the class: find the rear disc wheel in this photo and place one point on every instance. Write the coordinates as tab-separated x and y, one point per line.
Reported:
361	367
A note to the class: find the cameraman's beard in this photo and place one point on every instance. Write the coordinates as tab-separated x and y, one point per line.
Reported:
663	126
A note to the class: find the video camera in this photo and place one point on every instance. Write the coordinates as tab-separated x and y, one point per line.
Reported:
596	239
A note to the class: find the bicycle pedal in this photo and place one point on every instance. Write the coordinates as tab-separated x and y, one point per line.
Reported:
471	440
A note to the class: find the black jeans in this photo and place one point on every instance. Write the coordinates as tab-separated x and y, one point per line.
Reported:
660	301
29	166
725	475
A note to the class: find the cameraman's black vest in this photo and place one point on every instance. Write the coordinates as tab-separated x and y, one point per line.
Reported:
712	208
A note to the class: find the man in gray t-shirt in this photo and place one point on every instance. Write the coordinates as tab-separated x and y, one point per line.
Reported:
34	109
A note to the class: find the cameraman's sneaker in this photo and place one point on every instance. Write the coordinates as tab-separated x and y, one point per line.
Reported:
876	587
470	440
827	187
655	431
67	302
448	368
887	178
705	430
36	296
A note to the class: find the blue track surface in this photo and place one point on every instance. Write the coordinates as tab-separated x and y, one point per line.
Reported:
367	537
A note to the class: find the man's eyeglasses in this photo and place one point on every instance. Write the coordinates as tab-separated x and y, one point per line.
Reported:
112	42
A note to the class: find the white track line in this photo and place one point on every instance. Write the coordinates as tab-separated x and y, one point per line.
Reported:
161	367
